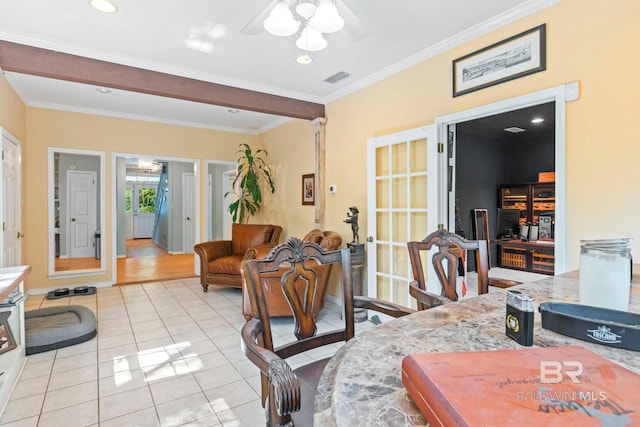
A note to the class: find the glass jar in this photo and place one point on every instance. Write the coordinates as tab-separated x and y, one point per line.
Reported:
605	273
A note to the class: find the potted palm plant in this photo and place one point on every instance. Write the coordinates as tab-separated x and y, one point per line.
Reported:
252	170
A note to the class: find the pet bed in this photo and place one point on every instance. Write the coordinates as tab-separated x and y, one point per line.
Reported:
56	327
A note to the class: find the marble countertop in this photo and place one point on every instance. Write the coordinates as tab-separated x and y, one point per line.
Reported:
362	385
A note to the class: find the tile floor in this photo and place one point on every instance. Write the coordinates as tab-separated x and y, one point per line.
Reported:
166	354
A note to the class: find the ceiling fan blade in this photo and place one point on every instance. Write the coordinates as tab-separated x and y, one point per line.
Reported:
354	28
256	25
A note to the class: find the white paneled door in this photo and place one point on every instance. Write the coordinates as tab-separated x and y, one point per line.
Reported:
187	213
144	213
83	199
11	233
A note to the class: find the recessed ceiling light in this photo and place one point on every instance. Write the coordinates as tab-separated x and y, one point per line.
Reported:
103	90
304	59
537	120
514	129
103	6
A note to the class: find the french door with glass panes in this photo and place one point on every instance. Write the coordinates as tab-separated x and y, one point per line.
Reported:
402	177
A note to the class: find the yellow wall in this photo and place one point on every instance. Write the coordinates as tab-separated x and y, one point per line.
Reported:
50	128
590	41
291	149
12	111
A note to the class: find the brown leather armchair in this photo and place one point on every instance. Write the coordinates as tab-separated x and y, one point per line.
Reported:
277	304
220	259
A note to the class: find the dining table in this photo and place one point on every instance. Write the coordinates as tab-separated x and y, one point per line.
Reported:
362	383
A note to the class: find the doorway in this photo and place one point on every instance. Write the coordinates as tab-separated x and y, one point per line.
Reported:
153	222
220	177
141	207
558	96
500	151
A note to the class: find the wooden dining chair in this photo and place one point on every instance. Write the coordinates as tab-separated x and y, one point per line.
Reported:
447	262
480	229
288	395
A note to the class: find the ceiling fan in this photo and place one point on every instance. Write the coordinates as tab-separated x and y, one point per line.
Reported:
353	28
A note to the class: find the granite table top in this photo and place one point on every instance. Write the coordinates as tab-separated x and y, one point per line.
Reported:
362	384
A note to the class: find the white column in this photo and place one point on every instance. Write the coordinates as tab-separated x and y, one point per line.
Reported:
320	140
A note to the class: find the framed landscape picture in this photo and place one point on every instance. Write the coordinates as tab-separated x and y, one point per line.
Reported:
509	59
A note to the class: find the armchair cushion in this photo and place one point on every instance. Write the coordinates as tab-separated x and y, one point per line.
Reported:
226	264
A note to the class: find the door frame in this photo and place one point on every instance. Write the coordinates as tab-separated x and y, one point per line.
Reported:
114	199
560	95
101	156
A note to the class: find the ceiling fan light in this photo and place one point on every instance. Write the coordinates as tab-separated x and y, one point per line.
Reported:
103	6
280	21
306	9
304	59
327	19
311	40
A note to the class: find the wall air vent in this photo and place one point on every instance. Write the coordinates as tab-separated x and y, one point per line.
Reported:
514	129
340	75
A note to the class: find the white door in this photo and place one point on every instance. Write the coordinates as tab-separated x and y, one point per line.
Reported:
144	212
208	209
11	247
129	211
83	199
227	185
402	177
187	213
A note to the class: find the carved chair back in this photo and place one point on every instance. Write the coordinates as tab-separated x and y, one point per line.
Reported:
288	394
447	262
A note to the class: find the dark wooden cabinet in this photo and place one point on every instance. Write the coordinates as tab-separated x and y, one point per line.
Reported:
534	200
536	257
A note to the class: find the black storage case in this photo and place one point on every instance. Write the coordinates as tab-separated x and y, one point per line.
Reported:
597	325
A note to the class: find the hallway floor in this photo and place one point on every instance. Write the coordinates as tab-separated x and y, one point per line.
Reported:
146	261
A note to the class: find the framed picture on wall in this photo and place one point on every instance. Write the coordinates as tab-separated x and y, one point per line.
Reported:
509	59
308	189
